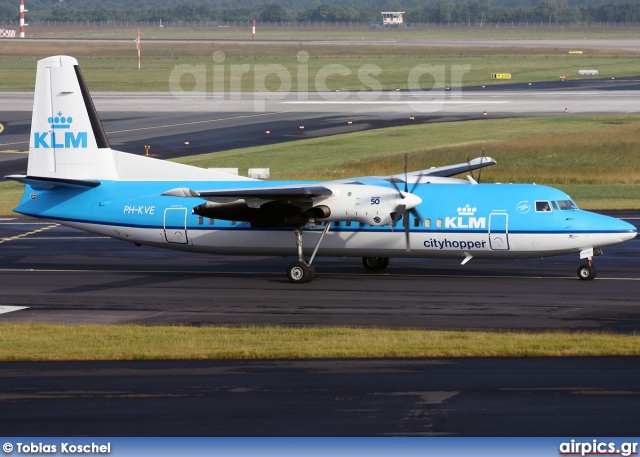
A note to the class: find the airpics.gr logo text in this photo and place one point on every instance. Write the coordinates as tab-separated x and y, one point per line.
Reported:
56	138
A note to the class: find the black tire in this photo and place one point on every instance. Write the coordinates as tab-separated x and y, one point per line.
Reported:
375	263
299	273
587	272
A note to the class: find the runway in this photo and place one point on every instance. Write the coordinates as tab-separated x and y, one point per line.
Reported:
67	276
572	397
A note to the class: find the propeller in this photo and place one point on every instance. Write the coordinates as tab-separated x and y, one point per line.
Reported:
401	210
482	157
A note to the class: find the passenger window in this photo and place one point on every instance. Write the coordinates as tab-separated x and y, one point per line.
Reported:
336	223
427	223
200	220
348	223
543	206
439	223
361	224
416	222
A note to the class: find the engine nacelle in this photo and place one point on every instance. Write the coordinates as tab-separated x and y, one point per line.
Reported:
373	205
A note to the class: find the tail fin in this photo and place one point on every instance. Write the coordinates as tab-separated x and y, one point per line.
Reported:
67	140
69	147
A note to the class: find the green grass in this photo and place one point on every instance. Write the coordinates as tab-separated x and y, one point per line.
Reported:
113	66
38	342
563	150
10	194
500	32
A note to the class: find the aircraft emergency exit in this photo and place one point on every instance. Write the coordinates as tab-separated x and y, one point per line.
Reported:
76	179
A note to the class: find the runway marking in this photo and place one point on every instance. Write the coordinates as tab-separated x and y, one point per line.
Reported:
13	151
22	235
279	273
11	309
399	102
177	125
198	122
79	237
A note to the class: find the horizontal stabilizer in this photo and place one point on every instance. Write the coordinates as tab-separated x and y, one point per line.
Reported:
49	183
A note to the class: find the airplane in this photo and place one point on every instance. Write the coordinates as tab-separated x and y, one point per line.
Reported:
74	178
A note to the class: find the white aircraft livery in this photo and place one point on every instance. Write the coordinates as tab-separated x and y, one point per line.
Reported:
75	178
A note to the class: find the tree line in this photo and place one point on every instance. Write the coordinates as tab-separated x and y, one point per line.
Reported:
365	11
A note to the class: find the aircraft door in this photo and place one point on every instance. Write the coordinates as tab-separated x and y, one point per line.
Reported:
499	231
175	225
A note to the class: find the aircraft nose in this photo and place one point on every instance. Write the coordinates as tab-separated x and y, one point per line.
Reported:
627	231
410	200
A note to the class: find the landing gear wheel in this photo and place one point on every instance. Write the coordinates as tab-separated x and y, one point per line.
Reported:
299	273
375	263
587	272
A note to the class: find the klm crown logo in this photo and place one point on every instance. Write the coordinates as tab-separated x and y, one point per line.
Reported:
466	211
70	140
60	122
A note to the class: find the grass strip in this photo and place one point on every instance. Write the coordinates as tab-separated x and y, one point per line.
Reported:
553	150
318	31
112	66
54	342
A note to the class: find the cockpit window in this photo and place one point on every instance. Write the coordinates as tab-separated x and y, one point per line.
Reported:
543	206
555	205
566	204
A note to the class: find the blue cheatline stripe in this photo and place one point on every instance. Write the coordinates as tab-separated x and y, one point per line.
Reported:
385	229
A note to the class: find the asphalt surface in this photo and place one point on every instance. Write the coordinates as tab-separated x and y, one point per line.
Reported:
67	276
572	397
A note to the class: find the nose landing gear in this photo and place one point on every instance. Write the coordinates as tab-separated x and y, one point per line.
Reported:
587	272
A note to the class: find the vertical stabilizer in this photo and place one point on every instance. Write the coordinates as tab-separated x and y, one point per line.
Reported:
67	140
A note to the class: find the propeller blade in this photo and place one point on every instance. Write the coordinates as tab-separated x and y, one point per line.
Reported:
482	155
406	161
470	170
397	214
405	222
395	186
416	214
417	182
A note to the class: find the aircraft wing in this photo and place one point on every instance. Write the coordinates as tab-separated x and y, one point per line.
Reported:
449	170
268	193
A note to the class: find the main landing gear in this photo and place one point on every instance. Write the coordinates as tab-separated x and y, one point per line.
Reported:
587	272
300	272
375	263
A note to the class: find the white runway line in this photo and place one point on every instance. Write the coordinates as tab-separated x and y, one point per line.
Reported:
10	309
